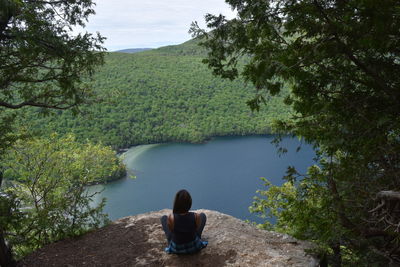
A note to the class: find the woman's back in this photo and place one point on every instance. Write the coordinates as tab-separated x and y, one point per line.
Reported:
184	228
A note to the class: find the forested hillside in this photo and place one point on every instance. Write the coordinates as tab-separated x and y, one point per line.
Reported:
161	95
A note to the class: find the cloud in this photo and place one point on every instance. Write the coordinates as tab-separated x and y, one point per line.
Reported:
151	23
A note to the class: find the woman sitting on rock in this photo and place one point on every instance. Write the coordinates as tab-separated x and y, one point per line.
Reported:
182	228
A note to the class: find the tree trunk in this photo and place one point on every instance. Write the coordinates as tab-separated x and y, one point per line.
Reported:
337	255
391	195
6	259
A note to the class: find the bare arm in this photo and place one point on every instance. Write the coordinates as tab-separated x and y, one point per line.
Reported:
170	222
198	220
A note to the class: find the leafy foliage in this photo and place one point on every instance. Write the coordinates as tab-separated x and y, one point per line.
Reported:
341	59
49	177
42	64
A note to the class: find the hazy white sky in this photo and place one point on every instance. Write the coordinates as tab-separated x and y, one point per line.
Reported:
150	23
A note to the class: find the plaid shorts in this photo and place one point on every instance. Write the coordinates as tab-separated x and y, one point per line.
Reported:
186	248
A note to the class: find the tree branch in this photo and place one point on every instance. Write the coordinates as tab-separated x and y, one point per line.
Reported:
391	195
37	104
347	51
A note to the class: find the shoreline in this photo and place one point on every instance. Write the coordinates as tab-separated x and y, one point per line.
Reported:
121	151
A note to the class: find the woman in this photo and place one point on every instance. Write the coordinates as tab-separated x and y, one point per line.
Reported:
182	228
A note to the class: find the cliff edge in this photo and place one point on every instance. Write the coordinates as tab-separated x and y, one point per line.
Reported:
139	241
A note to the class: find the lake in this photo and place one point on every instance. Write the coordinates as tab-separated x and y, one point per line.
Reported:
222	174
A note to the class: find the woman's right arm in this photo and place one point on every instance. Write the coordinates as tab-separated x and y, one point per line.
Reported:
198	220
170	222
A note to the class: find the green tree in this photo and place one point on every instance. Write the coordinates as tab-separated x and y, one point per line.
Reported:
41	64
49	177
341	59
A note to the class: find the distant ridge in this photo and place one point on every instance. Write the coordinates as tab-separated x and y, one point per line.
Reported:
133	50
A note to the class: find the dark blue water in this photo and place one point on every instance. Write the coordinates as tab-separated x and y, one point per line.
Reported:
221	175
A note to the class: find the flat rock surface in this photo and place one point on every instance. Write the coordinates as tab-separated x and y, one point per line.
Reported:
140	241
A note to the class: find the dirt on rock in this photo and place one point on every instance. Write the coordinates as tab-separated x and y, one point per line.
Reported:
139	241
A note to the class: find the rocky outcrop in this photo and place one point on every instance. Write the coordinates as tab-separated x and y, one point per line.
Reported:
139	241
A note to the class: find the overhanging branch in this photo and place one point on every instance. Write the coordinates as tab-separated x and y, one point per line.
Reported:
37	104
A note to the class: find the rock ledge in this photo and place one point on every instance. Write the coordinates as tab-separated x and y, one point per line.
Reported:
139	241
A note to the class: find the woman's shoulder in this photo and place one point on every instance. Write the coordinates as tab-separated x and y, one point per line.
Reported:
177	216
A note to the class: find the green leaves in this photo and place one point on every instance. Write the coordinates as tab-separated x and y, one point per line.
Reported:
300	209
49	177
341	59
42	62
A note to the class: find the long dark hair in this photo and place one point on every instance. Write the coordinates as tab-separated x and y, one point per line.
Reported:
182	202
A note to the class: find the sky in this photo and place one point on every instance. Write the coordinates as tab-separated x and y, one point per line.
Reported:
150	23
